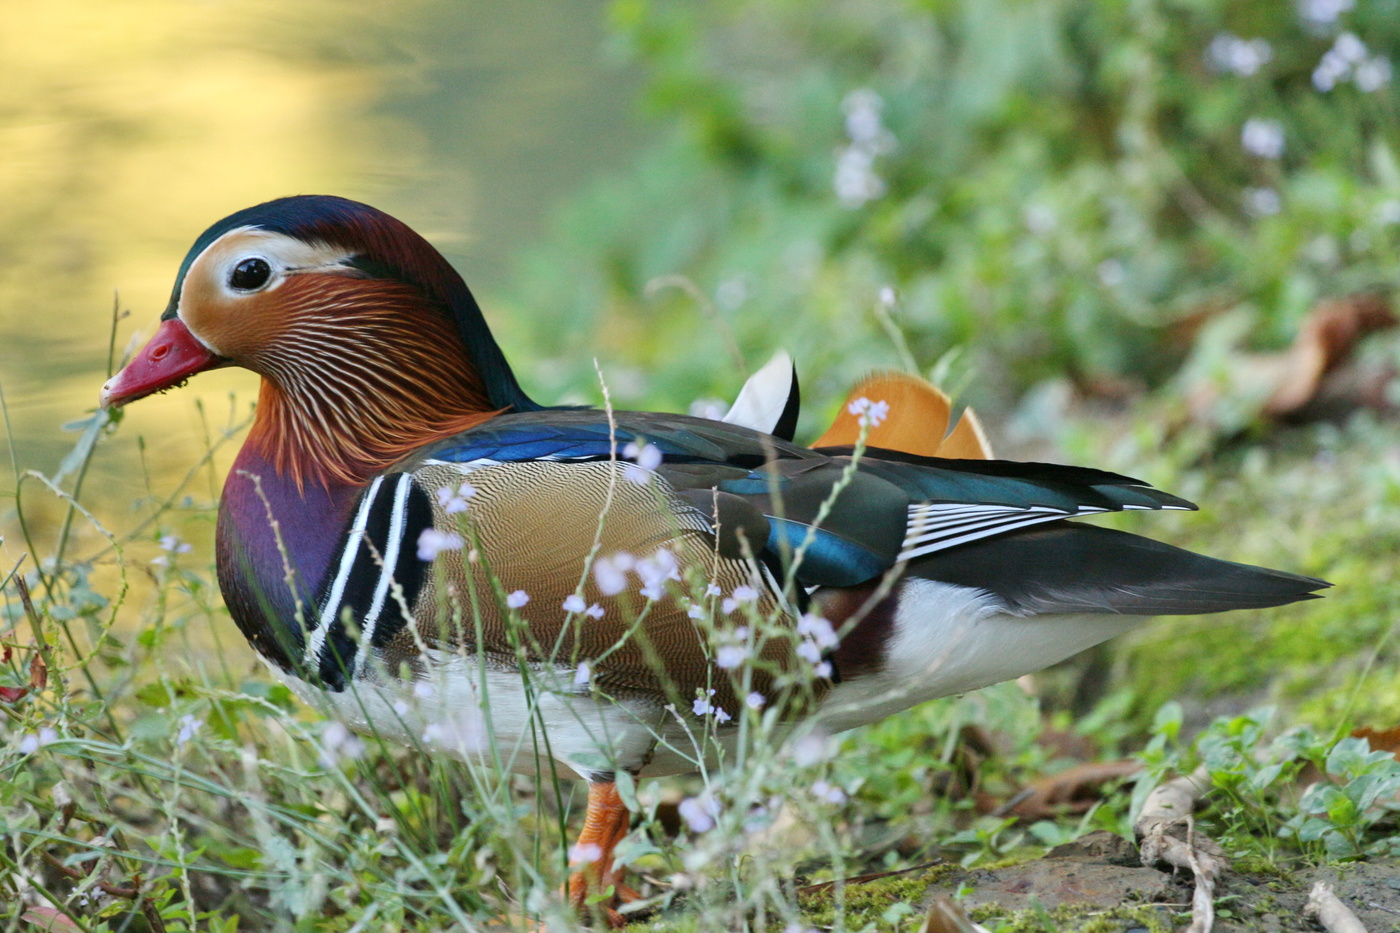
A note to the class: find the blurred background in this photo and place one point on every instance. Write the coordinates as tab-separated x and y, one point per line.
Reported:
1155	236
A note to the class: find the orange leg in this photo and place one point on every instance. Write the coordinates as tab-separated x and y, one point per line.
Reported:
604	825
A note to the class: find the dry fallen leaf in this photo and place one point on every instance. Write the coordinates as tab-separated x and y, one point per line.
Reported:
1074	790
1328	336
1380	740
1227	387
50	918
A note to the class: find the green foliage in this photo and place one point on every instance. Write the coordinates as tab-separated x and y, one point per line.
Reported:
1278	797
1052	185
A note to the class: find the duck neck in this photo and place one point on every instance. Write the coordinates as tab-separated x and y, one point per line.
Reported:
342	399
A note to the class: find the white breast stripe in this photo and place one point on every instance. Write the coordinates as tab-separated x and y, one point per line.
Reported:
347	560
390	559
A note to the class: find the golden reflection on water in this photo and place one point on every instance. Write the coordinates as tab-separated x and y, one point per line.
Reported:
127	127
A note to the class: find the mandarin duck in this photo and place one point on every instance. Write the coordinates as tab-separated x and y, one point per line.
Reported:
418	547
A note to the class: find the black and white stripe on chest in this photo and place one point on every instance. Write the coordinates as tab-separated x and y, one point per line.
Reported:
374	580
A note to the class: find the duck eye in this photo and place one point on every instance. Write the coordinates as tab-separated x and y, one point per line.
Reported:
250	274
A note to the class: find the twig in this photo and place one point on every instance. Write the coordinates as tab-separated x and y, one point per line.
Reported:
1335	917
1165	814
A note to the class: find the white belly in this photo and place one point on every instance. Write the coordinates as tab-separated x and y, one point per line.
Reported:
947	640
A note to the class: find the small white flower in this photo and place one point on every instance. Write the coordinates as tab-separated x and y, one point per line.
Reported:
432	542
31	743
647	458
1111	273
517	599
807	650
745	594
1262	138
812	749
887	296
818	630
729	605
434	733
655	571
455	500
189	725
1244	57
699	813
1323	12
585	853
594	611
1372	74
1348	58
583	676
1262	202
729	657
712	590
755	700
829	793
574	603
868	412
338	743
175	545
712	409
610	572
855	181
701	706
400	708
696	611
1350	49
423	690
823	669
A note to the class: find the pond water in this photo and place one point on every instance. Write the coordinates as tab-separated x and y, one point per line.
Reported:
129	126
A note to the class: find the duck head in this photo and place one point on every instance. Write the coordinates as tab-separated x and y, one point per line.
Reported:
368	341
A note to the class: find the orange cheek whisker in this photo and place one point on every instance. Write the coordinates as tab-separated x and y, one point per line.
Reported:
346	397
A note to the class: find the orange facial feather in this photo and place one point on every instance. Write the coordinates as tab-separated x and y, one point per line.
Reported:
356	375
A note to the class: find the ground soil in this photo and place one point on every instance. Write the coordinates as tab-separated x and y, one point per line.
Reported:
1097	881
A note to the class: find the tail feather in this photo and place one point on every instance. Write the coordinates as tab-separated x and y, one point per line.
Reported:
1073	568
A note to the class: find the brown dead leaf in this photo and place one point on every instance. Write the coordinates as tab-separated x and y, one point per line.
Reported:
1316	377
1074	790
50	918
1328	336
1380	740
38	672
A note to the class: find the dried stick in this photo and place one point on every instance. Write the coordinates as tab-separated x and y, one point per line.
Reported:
1335	917
1165	819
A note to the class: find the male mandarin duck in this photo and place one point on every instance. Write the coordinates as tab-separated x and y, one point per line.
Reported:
413	543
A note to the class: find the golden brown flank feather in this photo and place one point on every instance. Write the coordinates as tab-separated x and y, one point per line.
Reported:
917	422
357	374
